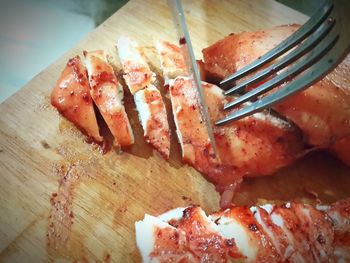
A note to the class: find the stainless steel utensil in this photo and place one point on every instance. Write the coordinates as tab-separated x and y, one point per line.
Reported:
186	45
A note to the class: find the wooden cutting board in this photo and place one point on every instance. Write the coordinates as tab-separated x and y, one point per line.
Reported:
60	199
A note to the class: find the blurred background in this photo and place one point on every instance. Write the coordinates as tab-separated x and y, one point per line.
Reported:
34	33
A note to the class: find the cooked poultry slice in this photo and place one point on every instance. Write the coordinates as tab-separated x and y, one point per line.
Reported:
269	233
339	213
244	147
192	132
71	97
108	94
152	112
148	99
171	60
138	75
322	111
189	236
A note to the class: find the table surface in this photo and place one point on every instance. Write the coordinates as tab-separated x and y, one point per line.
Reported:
60	198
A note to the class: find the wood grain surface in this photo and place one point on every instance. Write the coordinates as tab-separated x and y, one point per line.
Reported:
62	200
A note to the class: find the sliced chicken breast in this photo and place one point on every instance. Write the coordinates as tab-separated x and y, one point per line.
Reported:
277	236
137	75
148	99
269	233
71	97
153	117
171	60
191	238
107	94
339	213
289	224
191	130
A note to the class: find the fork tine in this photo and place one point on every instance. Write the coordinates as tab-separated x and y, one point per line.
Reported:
313	74
297	53
308	28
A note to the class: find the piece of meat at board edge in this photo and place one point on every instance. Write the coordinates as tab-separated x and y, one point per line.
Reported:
108	94
291	232
71	97
148	99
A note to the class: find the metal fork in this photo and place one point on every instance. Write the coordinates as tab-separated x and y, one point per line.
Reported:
319	45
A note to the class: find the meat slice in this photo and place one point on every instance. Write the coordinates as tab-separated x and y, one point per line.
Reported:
171	60
152	113
317	230
71	97
190	128
285	218
193	136
339	213
148	99
108	94
278	237
310	232
189	236
137	75
291	232
257	245
322	111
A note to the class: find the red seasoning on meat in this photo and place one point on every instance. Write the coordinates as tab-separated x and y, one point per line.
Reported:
108	95
71	97
268	233
244	147
148	99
